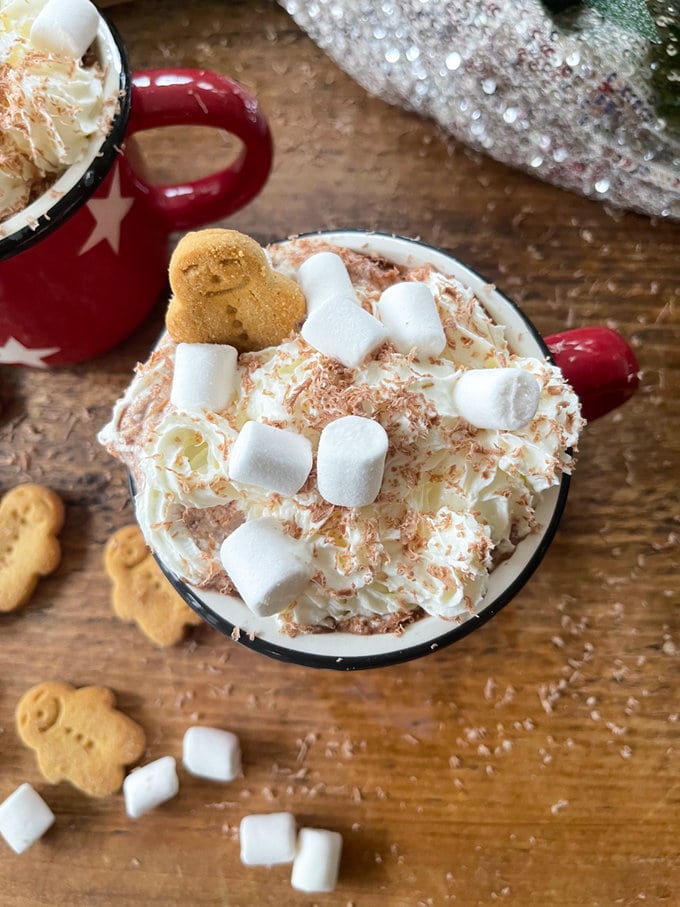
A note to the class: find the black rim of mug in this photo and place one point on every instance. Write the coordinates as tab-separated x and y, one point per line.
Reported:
79	193
409	653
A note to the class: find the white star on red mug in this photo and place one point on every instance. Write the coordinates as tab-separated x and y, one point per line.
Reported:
108	213
15	353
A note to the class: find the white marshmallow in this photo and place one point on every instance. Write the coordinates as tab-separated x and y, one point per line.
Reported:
410	316
323	277
149	786
65	27
268	567
24	818
317	860
343	330
350	461
209	752
267	840
500	398
204	376
270	457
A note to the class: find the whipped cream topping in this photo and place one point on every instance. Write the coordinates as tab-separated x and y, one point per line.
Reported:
51	108
454	499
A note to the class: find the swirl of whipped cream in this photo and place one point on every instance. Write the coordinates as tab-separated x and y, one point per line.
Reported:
51	107
453	500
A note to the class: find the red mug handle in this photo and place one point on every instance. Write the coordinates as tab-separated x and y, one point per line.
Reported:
197	97
600	366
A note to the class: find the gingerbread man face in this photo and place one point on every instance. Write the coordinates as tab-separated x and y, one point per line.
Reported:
79	736
219	268
226	292
124	550
30	518
39	711
141	592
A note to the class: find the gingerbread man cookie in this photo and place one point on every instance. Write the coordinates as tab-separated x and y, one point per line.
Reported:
30	518
79	736
141	592
225	291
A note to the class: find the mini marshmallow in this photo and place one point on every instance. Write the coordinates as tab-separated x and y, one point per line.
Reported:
267	840
270	457
317	860
343	330
410	316
24	818
204	376
149	786
350	461
500	398
209	752
65	27
268	567
323	277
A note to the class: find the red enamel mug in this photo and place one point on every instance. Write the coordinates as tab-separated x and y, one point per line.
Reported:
83	264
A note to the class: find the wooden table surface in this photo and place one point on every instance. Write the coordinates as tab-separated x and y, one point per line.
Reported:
534	762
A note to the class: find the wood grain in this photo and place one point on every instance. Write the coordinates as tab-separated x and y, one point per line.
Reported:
536	761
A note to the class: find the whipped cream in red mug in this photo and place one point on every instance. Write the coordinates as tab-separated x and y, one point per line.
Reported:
82	263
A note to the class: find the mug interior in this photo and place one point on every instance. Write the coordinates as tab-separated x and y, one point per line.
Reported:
347	651
78	182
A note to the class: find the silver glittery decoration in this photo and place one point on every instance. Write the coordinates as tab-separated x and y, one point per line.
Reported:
569	104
